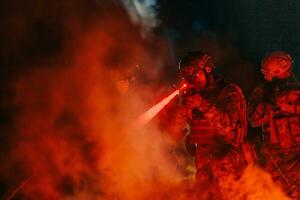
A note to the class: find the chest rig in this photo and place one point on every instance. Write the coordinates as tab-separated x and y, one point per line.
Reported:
285	119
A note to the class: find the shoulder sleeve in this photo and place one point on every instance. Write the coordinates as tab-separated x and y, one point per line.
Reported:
224	115
258	107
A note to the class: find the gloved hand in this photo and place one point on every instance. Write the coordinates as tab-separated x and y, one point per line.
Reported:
193	101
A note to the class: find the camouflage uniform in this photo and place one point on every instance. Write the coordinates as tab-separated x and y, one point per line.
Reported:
217	125
277	109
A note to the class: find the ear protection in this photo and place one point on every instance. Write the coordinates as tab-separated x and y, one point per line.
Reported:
202	64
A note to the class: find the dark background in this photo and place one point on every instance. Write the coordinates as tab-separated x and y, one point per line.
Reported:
256	27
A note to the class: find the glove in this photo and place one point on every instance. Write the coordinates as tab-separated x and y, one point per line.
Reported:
193	101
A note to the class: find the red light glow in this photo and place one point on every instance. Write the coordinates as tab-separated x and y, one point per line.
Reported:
154	110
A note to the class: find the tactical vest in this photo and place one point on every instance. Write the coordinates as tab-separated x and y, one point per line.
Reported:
201	132
285	119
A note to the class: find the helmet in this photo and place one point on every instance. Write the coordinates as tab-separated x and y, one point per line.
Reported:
276	64
195	61
194	68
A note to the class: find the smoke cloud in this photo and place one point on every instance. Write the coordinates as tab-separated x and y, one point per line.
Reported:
72	109
143	12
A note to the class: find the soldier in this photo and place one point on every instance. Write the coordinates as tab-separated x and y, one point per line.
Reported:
214	113
276	108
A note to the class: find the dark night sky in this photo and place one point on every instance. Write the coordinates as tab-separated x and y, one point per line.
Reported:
257	27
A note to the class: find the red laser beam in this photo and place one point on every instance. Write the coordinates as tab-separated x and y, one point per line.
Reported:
154	110
147	116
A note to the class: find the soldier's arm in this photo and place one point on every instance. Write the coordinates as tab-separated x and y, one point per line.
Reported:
258	108
180	118
225	113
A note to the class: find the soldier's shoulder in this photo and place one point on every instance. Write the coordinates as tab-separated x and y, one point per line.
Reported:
232	88
228	88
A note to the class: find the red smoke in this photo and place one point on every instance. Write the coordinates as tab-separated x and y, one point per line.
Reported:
74	136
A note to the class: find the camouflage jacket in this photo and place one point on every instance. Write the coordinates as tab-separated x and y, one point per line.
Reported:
277	111
220	117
